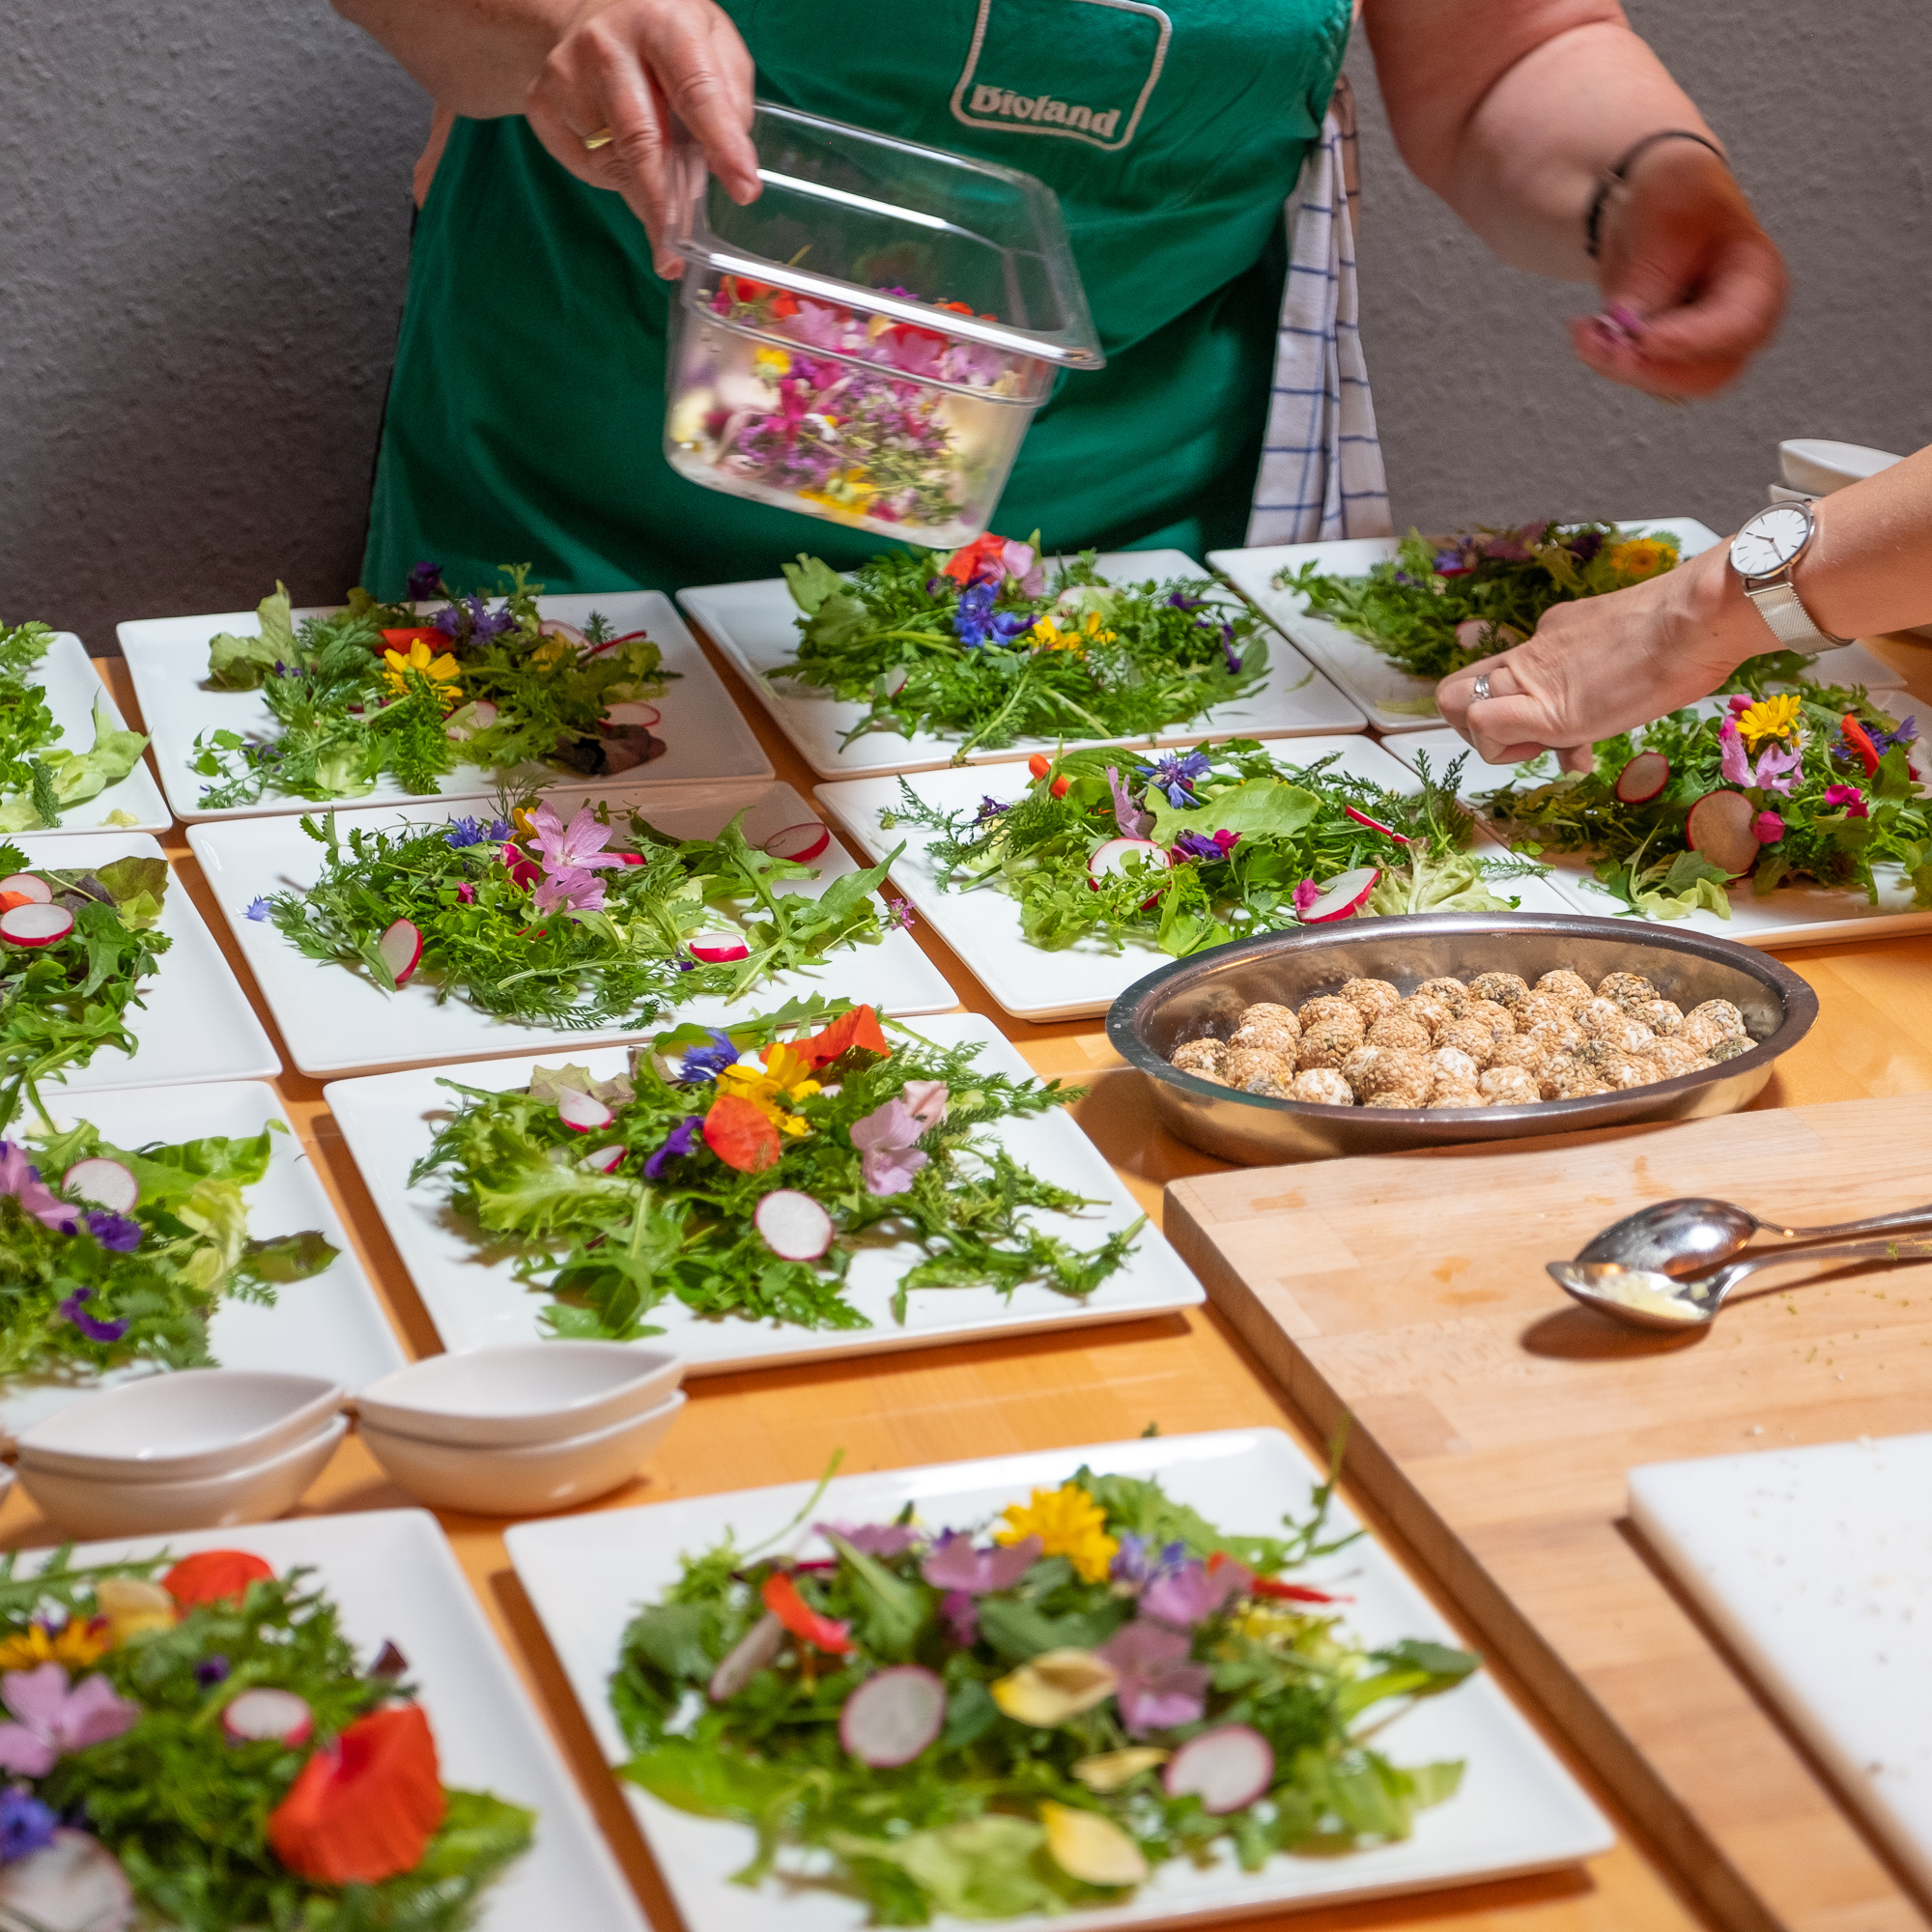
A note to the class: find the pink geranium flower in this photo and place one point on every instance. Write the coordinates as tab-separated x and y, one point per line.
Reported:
1769	828
954	1564
888	1136
1778	768
19	1177
1305	894
1159	1687
576	848
1731	758
50	1720
1851	798
570	889
1191	1593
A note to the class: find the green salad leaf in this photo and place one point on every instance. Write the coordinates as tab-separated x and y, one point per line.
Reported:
41	778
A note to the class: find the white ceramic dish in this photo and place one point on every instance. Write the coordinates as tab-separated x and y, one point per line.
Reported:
72	688
330	1326
1800	915
476	1301
983	925
1394	700
254	1493
1518	1810
337	1020
1818	466
525	1478
753	624
195	1022
167	657
394	1579
172	1427
523	1392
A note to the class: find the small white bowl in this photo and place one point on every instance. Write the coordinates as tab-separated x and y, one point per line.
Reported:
524	1392
528	1479
180	1426
88	1507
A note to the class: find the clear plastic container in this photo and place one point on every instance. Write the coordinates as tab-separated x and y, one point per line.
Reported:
868	340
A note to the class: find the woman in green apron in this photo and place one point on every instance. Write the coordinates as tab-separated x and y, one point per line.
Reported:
524	417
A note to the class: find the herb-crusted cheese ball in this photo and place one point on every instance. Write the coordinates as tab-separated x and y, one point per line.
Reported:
1506	989
1659	1015
1401	1030
1572	988
1329	1041
1371	998
1510	1087
1201	1057
1452	993
1255	1070
1321	1087
1728	1048
1628	990
1714	1020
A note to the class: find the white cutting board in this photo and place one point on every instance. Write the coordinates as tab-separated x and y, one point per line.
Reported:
1816	1566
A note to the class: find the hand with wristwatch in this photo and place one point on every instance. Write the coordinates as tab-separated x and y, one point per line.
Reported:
1764	554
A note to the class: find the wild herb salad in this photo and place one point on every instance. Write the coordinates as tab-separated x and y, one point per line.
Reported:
111	1255
555	924
204	1747
986	648
40	778
388	688
1815	785
1191	849
943	1721
742	1182
74	948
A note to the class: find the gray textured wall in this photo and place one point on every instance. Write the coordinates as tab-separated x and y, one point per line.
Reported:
204	222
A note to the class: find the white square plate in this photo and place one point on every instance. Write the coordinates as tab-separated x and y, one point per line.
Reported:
476	1302
195	1022
982	924
72	688
393	1578
1806	914
337	1020
167	657
330	1324
753	625
1518	1809
1395	702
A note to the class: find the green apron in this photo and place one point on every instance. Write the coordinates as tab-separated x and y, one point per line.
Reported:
525	411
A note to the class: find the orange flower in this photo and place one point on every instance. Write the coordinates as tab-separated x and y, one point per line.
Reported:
215	1576
365	1807
961	565
822	1633
855	1032
740	1135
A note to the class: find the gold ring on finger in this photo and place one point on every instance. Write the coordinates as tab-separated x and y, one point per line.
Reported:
601	139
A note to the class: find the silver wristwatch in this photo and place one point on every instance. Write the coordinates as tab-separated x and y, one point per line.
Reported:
1764	554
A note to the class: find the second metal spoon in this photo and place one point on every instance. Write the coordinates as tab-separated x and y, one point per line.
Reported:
1686	1236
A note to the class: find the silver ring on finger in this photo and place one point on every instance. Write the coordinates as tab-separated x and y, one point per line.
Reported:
1479	692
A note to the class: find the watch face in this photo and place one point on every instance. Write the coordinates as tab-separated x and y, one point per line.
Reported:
1771	540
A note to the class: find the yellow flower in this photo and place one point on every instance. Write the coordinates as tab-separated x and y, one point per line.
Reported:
1047	635
1090	1847
129	1607
1638	557
787	1076
1069	1523
848	494
79	1641
439	670
772	361
1769	718
1053	1687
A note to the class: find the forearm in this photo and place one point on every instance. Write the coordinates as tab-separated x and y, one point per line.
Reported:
1869	567
478	57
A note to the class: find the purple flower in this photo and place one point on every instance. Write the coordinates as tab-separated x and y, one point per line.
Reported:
1189	1594
115	1232
1907	733
20	1179
1199	845
1778	768
258	908
989	808
677	1144
484	623
210	1671
963	1618
27	1825
978	623
50	1720
1848	796
1159	1687
1585	546
707	1062
1022	566
576	848
466	893
1731	758
1305	895
1229	652
888	1140
463	832
570	890
898	912
1176	773
1137	1562
1181	601
425	583
1129	817
873	1539
93	1330
954	1564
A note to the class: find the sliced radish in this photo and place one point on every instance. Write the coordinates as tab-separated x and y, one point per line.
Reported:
470	720
1375	825
620	715
401	946
720	952
103	1181
604	1159
746	1659
800	843
893	1717
552	627
1343	894
1719	828
1228	1769
28	887
34	925
72	1885
1113	856
793	1225
1644	778
581	1111
263	1715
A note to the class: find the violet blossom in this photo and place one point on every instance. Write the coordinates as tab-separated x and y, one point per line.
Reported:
1132	821
1199	845
1176	773
873	1539
1139	1561
888	1140
20	1179
52	1720
677	1144
484	623
210	1671
707	1062
898	914
955	1564
258	908
114	1232
1189	1594
978	623
27	1825
576	848
989	808
1850	797
1159	1687
570	889
963	1618
425	583
92	1327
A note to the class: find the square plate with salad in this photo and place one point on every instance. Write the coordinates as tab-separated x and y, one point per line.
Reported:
1122	1558
468	1279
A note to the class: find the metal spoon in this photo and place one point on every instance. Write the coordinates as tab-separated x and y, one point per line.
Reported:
1648	1299
1687	1236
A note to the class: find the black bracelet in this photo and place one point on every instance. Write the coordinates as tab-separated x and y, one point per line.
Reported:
1614	177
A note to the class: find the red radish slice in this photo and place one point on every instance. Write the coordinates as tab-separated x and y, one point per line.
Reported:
720	952
893	1717
1228	1769
1341	895
580	1112
1114	855
1717	827
401	946
800	843
631	713
746	1659
104	1182
28	887
604	1159
552	627
612	643
1376	825
1644	778
265	1714
793	1225
74	1885
34	925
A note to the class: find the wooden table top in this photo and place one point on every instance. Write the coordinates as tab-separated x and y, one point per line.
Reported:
1186	1373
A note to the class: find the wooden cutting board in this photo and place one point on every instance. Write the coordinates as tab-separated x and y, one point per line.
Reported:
1495	1421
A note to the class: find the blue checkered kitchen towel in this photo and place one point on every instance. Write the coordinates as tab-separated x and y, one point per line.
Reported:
1320	473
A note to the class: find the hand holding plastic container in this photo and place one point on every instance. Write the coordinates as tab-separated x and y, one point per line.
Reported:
868	340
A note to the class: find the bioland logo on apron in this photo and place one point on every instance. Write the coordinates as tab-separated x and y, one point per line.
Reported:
1081	68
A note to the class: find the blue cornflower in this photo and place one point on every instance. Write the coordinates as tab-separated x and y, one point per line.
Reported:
484	623
114	1230
258	908
497	830
707	1062
1174	776
425	583
1138	1562
979	624
1907	733
677	1144
27	1825
463	832
1228	650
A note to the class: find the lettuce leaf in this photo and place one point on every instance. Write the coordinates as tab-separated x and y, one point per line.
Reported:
75	777
236	663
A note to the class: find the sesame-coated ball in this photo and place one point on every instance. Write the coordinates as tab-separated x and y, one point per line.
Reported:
1328	1042
1269	1034
1572	988
1539	1010
1492	1013
1628	991
1254	1070
1471	1036
1704	1030
1728	1048
1605	1020
1659	1015
1510	1087
1266	1012
1332	1007
1453	993
1526	1050
1399	1079
1323	1086
1203	1057
1399	1030
1454	1065
1371	998
1355	1069
1671	1055
1506	989
1426	1011
1720	1014
1455	1094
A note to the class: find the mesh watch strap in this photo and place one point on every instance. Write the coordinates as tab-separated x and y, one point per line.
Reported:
1783	609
